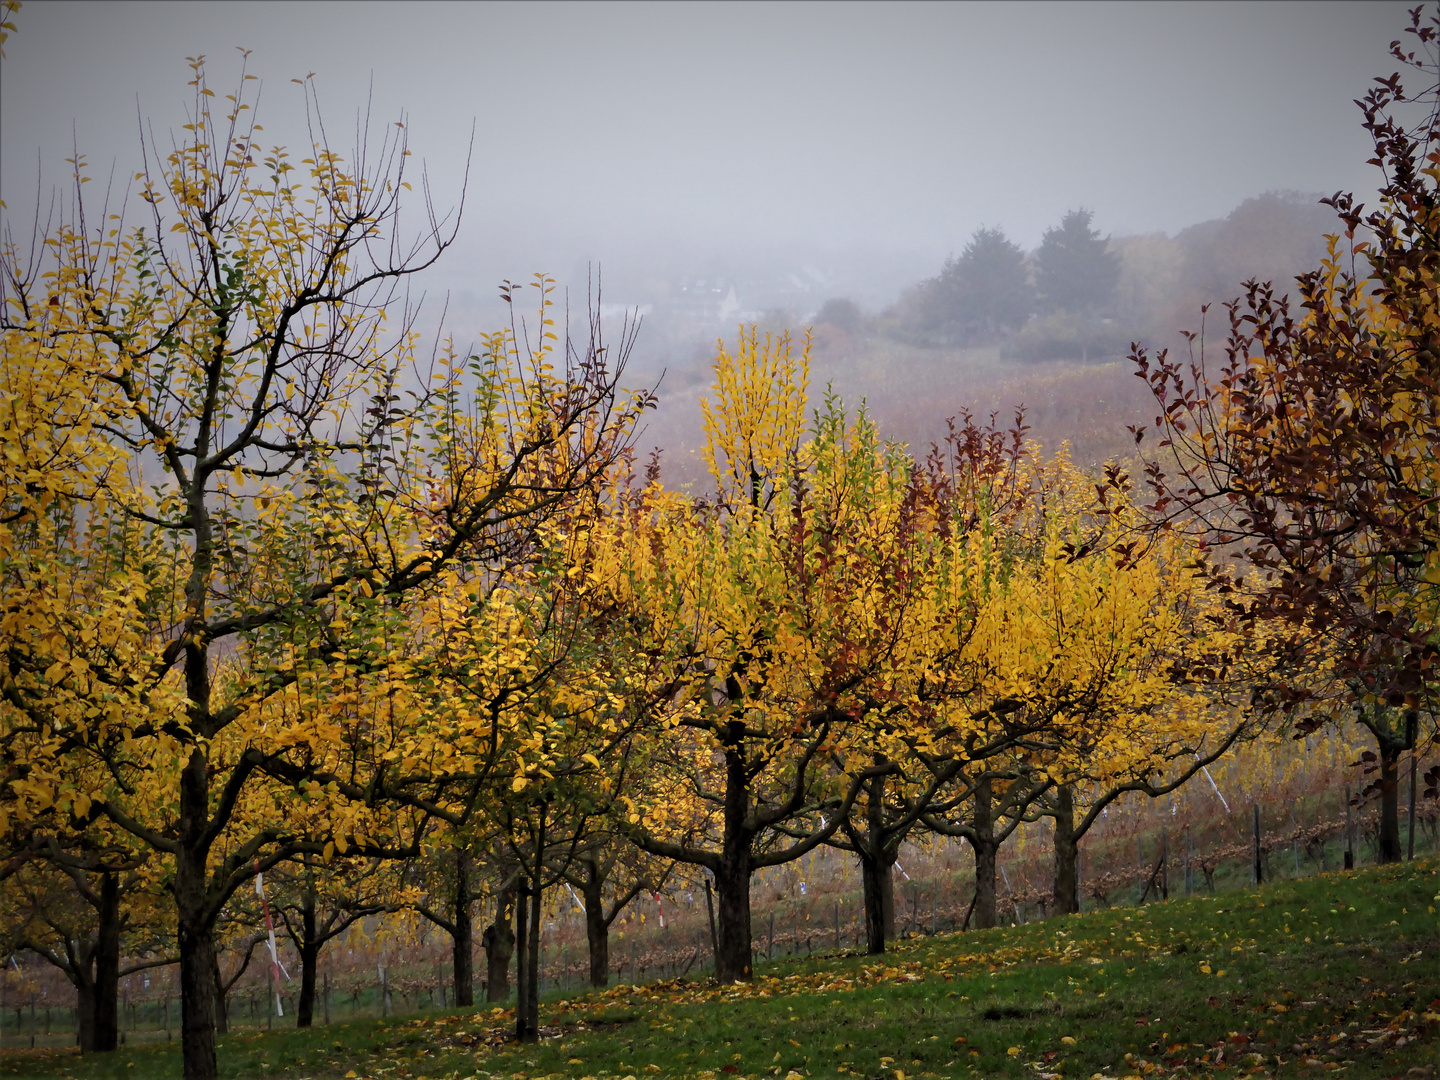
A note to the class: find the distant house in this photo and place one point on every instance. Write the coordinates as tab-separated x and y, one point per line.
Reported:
730	307
706	304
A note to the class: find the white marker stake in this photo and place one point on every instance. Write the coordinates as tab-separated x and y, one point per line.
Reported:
270	935
1214	785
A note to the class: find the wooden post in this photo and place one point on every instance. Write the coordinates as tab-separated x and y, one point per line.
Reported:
710	911
770	949
1349	834
1412	731
1257	875
1164	864
1141	885
1187	859
327	999
1411	854
837	925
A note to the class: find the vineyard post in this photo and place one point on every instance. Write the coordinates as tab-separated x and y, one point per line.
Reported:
1412	722
1349	834
1187	858
1164	864
710	911
1140	869
1256	875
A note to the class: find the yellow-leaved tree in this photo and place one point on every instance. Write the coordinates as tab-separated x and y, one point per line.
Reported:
768	613
285	478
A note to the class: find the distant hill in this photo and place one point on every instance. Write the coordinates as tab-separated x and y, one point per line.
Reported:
1071	375
1165	280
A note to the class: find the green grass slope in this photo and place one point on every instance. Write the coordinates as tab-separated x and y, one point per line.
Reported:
1336	974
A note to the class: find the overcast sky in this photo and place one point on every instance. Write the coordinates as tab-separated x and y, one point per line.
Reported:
606	131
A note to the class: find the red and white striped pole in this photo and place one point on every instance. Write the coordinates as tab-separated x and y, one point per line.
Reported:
276	969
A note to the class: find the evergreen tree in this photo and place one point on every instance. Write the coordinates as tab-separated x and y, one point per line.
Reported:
983	292
1075	270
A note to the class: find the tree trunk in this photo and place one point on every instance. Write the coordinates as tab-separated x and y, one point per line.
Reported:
195	924
305	1007
463	951
522	969
732	888
498	941
1066	891
1390	752
983	841
85	1013
197	999
309	959
222	1014
597	930
532	983
732	875
106	1015
877	875
528	993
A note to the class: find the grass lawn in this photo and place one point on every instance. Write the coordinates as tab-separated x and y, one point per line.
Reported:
1332	974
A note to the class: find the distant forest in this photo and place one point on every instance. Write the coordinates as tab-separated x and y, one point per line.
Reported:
1082	295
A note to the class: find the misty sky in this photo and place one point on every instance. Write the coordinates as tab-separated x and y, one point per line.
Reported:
634	132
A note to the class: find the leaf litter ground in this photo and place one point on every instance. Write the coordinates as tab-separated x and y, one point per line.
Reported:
1333	975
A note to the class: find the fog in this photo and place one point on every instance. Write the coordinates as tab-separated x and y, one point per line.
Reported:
787	153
